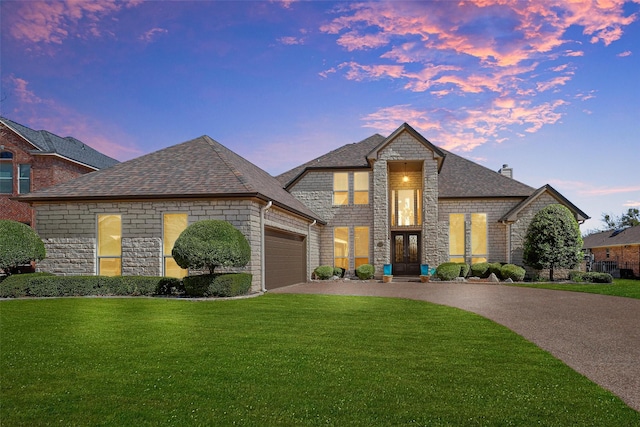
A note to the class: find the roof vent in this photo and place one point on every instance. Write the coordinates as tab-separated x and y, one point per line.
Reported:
506	171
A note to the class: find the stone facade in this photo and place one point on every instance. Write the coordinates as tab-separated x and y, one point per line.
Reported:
69	232
45	172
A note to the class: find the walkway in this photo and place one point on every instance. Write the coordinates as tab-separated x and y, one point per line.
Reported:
597	335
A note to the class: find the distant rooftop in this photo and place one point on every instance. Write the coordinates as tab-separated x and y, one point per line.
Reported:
71	148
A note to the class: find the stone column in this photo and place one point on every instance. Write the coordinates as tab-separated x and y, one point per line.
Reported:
430	212
381	244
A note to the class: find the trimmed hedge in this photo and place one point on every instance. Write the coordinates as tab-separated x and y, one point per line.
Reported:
590	277
324	272
218	285
480	269
338	271
513	272
48	285
448	271
365	271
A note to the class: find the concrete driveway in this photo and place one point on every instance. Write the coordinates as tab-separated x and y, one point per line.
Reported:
597	335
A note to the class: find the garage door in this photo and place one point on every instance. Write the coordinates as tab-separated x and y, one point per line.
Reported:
285	259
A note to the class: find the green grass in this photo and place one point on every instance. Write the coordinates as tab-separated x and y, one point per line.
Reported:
281	360
620	287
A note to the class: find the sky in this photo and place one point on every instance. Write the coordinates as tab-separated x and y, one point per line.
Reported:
551	88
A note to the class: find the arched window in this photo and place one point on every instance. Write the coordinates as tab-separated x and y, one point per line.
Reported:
6	172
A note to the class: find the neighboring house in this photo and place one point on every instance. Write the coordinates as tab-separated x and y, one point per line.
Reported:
397	200
615	251
32	160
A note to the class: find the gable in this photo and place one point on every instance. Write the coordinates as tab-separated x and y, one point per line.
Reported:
545	190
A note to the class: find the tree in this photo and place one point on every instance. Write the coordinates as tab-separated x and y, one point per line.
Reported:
629	219
553	240
19	245
210	244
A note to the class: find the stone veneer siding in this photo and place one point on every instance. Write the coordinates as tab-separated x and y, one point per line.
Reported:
497	232
69	232
405	148
315	189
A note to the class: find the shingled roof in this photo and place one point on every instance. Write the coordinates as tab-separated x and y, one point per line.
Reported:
201	167
626	236
47	143
458	177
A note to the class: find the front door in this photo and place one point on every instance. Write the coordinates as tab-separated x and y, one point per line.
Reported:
405	253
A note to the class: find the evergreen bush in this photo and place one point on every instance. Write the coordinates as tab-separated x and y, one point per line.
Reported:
480	269
324	272
365	271
218	285
448	271
210	244
19	245
513	272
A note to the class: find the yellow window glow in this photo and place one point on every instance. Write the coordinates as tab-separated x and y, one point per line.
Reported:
456	237
361	188
109	235
478	234
173	225
340	188
361	249
341	247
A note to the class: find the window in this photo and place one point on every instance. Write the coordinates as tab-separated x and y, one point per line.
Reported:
109	245
173	225
478	238
341	247
361	188
361	247
6	172
24	179
456	237
340	188
406	208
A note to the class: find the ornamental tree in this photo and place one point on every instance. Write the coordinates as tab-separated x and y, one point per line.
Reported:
19	245
553	240
210	244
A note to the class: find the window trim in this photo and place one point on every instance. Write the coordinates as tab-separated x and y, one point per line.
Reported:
340	191
345	258
359	191
356	257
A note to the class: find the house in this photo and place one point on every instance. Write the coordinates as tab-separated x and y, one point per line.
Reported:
615	251
31	160
396	200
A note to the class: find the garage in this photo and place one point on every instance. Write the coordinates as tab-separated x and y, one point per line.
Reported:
285	258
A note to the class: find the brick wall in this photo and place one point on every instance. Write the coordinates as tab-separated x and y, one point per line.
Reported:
626	254
45	172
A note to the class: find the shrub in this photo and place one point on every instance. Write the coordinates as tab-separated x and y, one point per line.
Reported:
590	277
448	271
480	270
365	271
19	245
218	285
338	271
576	276
495	268
513	272
324	272
209	244
464	269
48	285
230	285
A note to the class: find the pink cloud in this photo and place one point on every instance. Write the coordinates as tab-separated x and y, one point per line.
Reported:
291	40
42	113
152	34
624	54
54	21
632	203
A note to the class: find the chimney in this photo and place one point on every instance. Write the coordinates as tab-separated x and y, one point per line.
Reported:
506	171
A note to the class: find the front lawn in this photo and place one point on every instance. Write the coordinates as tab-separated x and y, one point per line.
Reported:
620	287
281	360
